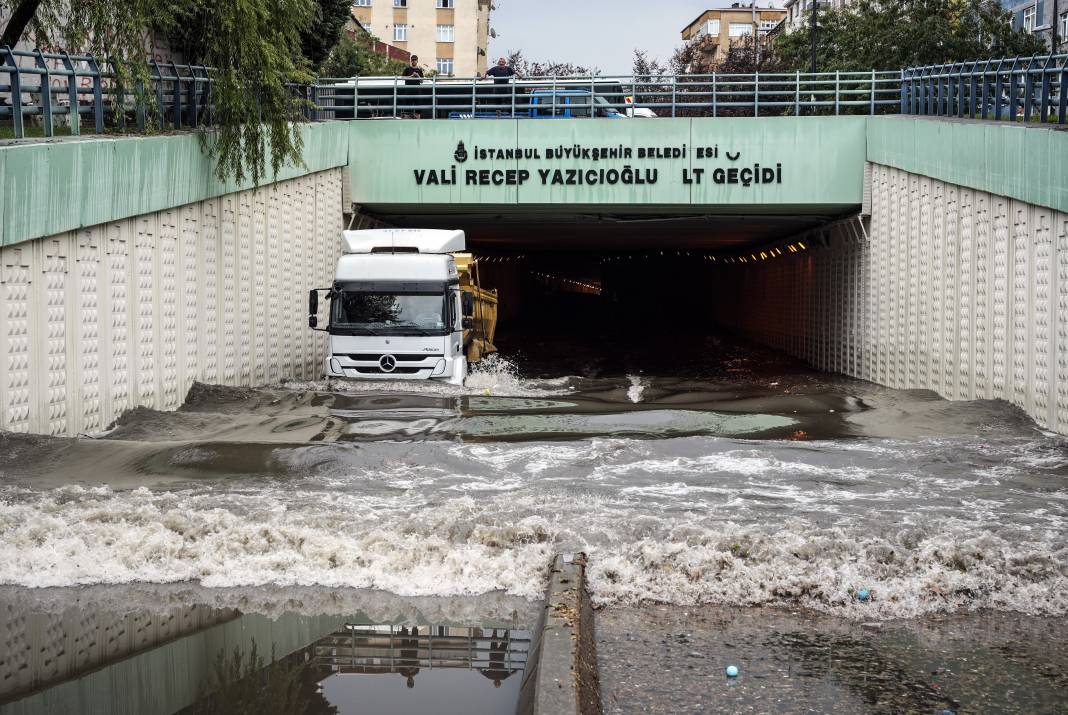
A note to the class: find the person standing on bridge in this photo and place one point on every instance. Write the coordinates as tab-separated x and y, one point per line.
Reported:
502	74
413	76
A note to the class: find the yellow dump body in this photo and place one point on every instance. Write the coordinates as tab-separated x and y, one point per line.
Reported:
478	338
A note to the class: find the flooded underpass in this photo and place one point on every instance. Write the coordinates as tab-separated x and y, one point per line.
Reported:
849	547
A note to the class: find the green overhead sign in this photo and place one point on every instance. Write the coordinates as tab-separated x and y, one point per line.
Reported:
742	161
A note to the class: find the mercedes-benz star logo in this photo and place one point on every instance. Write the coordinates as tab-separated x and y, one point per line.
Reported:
461	153
387	363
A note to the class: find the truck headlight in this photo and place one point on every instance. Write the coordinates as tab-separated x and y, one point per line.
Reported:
439	369
335	366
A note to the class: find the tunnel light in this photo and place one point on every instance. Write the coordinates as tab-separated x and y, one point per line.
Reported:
801	245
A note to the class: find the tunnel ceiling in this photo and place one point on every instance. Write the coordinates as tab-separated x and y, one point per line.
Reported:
609	230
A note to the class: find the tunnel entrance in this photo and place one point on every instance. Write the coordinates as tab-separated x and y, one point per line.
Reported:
602	293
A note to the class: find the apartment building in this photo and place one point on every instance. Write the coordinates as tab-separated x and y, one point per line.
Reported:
450	36
718	28
797	10
1036	17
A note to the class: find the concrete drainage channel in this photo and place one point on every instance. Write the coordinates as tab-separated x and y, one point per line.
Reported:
564	677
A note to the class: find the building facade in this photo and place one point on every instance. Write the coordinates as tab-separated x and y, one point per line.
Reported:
449	36
1037	17
797	10
717	29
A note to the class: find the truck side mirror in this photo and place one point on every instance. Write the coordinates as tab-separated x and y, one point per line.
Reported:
313	303
313	321
468	303
468	323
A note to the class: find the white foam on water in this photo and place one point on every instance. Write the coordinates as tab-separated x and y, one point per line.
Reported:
634	392
493	375
464	534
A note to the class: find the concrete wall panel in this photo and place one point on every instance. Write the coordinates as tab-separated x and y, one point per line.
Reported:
50	187
950	289
108	317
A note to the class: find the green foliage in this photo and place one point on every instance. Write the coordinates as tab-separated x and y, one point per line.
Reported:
533	68
356	58
255	53
240	683
883	35
254	47
325	29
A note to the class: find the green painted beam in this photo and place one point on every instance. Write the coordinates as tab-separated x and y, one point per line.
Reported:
51	187
726	162
1024	162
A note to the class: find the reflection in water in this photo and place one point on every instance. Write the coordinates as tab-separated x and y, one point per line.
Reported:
186	649
364	649
244	683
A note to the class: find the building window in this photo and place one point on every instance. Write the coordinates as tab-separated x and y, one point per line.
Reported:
712	28
740	29
1063	34
400	3
446	33
361	3
400	33
446	4
1029	18
446	66
367	27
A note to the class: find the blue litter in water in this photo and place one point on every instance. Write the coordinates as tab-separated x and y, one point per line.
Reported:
863	594
732	671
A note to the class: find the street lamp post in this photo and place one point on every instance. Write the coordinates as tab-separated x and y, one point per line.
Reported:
1055	25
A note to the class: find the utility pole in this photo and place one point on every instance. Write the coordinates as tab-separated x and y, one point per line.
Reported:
815	8
756	36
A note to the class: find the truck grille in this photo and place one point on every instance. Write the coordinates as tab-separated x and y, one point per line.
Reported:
396	371
375	357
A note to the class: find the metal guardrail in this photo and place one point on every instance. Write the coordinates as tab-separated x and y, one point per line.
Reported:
59	93
64	90
1013	89
393	648
715	94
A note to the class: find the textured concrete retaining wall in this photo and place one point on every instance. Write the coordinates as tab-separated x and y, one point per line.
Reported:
40	649
950	289
97	320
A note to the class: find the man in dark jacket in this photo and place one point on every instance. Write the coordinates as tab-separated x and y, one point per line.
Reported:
502	74
413	76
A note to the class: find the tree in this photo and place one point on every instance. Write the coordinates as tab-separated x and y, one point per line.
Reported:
253	46
356	57
325	29
530	68
885	35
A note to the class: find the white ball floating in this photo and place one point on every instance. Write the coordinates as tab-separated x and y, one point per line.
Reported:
863	594
732	671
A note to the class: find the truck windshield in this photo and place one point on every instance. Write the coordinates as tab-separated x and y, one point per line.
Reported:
389	311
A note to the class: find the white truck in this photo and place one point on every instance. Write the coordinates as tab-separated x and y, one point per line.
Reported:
398	309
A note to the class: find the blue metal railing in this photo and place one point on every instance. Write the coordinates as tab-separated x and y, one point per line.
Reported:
1015	89
60	90
59	93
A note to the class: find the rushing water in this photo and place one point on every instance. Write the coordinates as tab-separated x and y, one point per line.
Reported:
755	482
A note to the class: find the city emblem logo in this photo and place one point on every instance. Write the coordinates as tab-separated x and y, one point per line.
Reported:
461	153
387	363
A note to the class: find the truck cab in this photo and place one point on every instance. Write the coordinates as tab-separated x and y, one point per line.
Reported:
395	307
570	102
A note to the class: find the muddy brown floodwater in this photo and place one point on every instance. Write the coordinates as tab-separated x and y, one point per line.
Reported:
721	492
